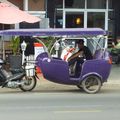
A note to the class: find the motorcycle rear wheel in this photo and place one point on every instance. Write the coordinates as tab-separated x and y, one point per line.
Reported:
29	83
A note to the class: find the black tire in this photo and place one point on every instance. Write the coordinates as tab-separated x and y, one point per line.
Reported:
91	84
29	83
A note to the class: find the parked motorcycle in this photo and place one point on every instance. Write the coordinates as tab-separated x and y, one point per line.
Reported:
25	78
115	54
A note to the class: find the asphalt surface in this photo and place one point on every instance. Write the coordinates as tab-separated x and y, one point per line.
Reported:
59	106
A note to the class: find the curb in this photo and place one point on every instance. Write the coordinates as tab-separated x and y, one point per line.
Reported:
114	82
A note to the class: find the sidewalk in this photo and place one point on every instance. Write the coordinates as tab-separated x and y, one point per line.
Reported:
114	77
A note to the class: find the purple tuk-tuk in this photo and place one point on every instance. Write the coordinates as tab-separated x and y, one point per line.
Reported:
93	73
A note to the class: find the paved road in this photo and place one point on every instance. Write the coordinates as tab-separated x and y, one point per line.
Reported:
69	105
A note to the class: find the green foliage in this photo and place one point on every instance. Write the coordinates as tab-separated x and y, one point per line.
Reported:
15	45
48	41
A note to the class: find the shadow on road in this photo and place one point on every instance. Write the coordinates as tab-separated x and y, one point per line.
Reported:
104	90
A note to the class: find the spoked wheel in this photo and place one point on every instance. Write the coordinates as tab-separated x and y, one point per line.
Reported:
28	83
91	84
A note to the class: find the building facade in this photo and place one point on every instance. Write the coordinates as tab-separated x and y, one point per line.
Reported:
86	13
72	14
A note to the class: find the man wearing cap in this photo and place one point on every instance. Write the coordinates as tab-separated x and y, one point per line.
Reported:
79	57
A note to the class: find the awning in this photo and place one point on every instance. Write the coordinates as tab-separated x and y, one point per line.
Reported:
11	15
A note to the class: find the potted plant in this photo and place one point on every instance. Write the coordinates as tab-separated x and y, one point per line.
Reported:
15	45
16	58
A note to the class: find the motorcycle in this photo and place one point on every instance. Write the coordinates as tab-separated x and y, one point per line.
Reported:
24	78
115	54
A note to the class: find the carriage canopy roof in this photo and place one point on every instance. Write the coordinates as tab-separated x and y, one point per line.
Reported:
54	32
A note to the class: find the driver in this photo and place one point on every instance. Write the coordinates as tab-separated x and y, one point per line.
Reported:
78	57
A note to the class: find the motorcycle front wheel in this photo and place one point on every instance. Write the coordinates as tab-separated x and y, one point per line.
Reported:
28	83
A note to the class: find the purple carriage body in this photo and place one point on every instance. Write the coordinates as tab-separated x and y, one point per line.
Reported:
57	70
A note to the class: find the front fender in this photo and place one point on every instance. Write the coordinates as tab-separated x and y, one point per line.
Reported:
40	58
92	73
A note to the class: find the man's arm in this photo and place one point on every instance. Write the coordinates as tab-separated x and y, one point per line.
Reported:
75	55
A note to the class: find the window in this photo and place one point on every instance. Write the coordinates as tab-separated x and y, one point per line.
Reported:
59	19
74	3
59	3
111	21
96	19
18	3
74	19
6	26
96	4
36	5
110	5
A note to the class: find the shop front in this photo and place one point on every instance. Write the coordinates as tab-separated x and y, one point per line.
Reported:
82	14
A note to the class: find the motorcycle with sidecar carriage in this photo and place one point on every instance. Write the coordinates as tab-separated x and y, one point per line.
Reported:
93	72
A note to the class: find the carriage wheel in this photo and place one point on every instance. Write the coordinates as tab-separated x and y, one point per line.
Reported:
91	84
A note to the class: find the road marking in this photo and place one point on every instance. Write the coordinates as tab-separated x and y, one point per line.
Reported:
78	111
